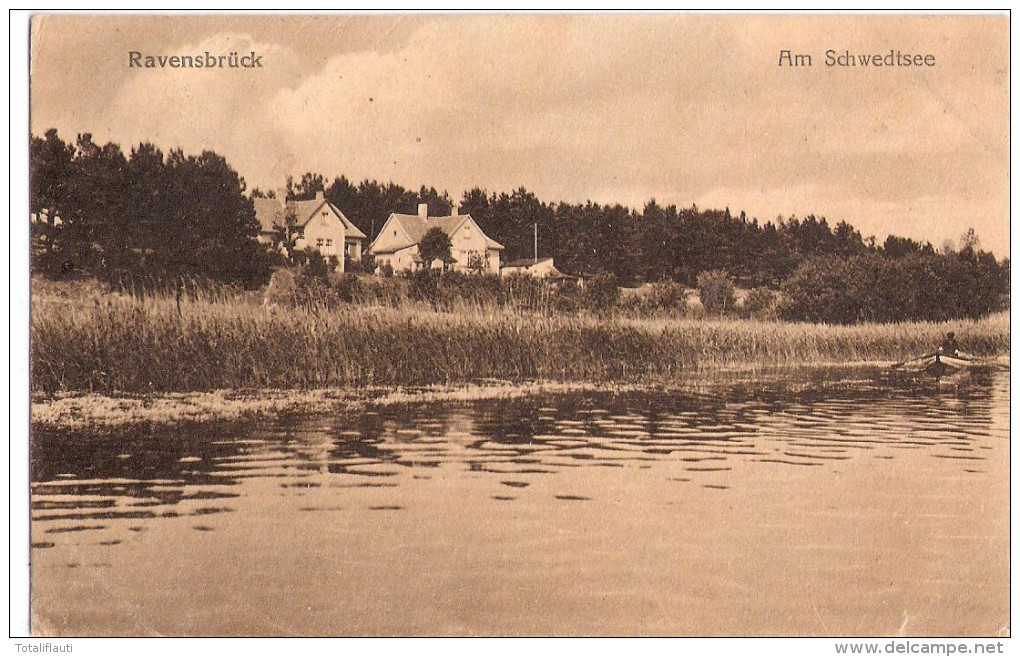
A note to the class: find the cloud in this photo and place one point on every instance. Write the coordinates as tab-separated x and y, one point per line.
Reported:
617	109
220	109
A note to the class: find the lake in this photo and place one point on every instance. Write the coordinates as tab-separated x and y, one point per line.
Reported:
811	503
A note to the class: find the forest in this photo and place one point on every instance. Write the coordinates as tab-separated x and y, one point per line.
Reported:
98	211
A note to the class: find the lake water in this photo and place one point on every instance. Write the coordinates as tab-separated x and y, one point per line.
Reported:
809	504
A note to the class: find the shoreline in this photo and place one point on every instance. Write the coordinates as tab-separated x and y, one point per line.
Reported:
77	411
123	346
83	410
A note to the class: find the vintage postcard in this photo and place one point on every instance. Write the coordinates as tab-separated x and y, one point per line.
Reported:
413	324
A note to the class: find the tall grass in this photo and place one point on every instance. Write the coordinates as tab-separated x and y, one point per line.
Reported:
110	343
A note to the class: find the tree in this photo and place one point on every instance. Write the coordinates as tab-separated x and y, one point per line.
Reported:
168	216
285	233
510	219
210	229
716	291
872	288
439	204
369	203
478	262
847	241
653	239
475	202
311	183
969	240
98	224
313	265
50	164
897	247
436	245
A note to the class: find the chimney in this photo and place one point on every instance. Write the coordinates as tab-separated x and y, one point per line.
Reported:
320	196
281	194
454	211
423	210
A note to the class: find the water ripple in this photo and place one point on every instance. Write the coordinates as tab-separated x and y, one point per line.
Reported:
129	479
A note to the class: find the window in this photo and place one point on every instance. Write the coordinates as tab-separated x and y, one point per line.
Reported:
329	242
318	242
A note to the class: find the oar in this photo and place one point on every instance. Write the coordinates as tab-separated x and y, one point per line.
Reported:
901	364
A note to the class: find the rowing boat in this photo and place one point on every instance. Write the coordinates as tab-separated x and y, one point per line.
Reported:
939	365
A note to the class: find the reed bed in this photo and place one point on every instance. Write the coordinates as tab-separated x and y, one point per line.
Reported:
118	344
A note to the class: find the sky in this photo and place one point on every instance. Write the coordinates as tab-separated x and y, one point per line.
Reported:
686	109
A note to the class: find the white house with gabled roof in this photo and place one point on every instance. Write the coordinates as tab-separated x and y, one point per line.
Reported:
319	224
397	242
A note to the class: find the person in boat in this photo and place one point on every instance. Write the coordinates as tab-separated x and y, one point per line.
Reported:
949	346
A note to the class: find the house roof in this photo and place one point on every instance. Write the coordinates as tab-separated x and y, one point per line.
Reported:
414	227
529	263
269	212
526	262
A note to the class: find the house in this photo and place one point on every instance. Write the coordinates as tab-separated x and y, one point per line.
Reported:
543	268
318	224
397	242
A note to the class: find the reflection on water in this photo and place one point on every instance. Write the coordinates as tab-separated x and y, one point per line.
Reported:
170	472
594	453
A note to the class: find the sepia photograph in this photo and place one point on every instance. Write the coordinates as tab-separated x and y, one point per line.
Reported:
412	324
